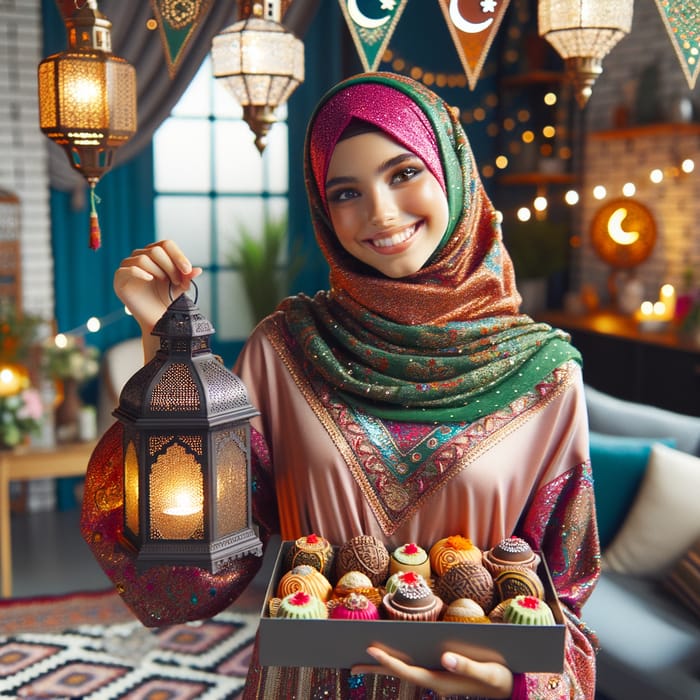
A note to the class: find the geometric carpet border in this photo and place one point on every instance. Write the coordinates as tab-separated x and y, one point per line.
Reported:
206	660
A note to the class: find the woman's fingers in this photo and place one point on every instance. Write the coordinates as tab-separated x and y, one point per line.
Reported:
463	676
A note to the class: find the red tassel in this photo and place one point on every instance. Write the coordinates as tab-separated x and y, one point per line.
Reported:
95	234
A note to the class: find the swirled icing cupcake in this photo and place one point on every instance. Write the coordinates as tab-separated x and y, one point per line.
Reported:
302	606
354	606
452	550
412	599
305	578
312	550
528	610
509	553
357	582
410	557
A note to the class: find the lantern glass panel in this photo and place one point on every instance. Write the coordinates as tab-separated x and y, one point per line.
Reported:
131	489
47	95
231	483
82	93
176	485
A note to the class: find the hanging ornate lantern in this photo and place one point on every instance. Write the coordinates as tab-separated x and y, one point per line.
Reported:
87	100
583	32
260	62
186	451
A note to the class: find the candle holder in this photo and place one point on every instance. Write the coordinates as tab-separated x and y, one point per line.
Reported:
186	449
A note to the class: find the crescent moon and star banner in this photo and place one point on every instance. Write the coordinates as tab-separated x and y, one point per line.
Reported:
473	25
682	21
177	24
372	24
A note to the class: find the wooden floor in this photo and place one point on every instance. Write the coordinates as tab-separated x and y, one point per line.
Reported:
50	557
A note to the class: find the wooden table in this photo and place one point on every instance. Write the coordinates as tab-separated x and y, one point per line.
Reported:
26	465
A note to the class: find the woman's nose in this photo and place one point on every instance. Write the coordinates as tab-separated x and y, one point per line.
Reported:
383	208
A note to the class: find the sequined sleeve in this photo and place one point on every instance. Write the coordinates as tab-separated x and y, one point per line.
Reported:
561	523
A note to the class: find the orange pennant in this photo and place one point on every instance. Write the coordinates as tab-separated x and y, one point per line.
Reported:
473	25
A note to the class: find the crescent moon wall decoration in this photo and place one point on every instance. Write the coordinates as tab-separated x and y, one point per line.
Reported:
623	232
371	24
473	24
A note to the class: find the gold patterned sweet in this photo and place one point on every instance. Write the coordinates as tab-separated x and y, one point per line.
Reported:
453	550
313	550
304	578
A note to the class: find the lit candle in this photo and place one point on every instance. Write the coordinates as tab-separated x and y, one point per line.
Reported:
183	517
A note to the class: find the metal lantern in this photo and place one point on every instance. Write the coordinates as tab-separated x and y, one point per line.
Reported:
87	98
583	32
187	451
260	62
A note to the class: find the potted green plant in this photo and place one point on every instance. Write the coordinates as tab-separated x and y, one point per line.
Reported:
261	261
538	249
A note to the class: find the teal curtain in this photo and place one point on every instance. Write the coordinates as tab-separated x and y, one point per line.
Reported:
83	277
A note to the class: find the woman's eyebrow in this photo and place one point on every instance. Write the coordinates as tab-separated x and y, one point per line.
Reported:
383	167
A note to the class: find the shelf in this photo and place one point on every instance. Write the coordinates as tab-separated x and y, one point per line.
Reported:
638	130
536	178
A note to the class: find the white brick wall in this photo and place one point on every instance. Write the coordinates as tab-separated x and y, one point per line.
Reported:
23	147
675	202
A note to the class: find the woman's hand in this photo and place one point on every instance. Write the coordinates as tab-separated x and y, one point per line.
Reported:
143	282
463	676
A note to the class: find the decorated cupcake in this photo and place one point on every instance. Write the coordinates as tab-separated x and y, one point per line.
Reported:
412	599
465	610
410	557
354	606
453	550
364	553
302	606
466	580
312	550
528	610
514	582
510	553
305	578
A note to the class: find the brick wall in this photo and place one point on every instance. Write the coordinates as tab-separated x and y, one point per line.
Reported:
23	148
675	202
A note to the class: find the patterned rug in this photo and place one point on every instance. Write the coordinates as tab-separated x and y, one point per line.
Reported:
119	659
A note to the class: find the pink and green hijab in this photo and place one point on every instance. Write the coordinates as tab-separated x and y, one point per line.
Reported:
447	343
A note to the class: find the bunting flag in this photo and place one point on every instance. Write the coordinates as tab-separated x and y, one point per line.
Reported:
682	21
473	25
372	24
178	22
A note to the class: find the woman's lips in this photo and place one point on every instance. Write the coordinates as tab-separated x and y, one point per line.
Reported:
387	244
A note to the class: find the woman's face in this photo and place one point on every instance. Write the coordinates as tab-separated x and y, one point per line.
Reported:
388	210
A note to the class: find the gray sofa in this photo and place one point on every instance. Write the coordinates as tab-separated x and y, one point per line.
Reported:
649	642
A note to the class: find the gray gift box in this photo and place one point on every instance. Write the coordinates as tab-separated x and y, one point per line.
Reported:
342	643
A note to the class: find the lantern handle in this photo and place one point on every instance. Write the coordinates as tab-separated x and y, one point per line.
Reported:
192	282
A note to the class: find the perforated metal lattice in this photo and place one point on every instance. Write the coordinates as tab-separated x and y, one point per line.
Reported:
176	390
157	442
226	391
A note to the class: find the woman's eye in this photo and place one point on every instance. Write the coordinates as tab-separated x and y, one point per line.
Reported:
405	174
342	195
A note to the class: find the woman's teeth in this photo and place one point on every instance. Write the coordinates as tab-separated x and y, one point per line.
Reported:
397	238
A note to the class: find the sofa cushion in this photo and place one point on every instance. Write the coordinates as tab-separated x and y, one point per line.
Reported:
683	581
664	519
608	414
649	644
619	463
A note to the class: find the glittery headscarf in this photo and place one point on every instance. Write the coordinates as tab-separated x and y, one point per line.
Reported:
443	342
